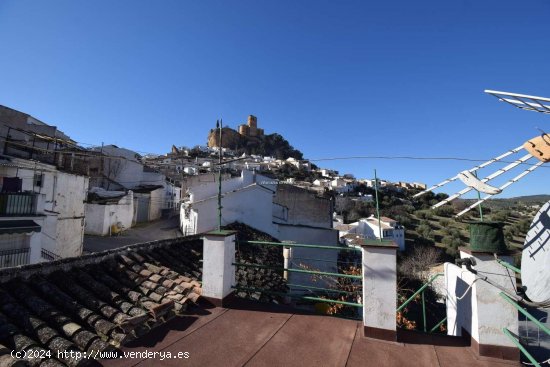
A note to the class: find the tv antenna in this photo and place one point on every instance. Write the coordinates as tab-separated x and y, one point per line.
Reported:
538	148
523	101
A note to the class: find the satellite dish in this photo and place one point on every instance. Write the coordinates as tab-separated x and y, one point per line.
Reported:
535	258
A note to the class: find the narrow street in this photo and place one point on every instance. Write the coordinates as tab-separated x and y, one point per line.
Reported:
143	232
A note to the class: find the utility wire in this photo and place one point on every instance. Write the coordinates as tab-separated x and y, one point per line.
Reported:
87	153
414	158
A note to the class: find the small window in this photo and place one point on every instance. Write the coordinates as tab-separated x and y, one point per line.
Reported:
38	179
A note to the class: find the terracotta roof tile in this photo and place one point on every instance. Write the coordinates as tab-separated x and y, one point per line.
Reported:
96	302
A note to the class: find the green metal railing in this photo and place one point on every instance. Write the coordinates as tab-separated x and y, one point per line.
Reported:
288	244
421	291
313	297
328	290
520	347
308	298
508	266
523	311
314	272
531	318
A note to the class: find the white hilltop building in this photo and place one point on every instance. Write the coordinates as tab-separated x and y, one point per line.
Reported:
368	228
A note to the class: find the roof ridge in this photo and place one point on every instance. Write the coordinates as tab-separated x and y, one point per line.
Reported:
66	264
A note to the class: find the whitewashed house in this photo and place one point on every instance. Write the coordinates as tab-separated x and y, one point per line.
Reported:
253	166
247	199
108	212
120	169
328	173
321	182
286	212
191	170
172	196
369	228
293	162
380	183
306	165
41	212
344	229
337	182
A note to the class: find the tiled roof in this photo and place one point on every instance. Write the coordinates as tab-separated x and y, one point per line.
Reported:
354	239
382	224
96	302
344	227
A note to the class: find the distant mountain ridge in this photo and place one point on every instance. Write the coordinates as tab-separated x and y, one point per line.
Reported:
538	198
509	202
530	198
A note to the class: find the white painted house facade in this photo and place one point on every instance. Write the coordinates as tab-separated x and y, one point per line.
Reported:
41	212
122	170
247	199
110	214
286	212
369	228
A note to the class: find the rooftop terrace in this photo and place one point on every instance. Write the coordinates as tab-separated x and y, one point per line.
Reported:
255	334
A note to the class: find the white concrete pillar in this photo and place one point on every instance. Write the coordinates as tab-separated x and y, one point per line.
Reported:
287	256
482	312
380	290
218	271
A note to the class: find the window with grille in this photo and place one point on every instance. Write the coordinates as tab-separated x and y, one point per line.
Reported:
38	179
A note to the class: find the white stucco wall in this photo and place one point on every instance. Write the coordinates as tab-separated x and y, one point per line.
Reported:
379	288
70	194
218	270
152	178
172	196
209	189
36	247
300	257
99	218
371	230
482	312
125	172
69	237
158	199
60	199
252	206
96	219
460	313
121	166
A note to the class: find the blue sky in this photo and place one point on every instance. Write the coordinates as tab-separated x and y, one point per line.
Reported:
346	78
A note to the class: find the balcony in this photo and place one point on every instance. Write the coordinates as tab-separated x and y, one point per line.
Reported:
14	257
17	204
48	255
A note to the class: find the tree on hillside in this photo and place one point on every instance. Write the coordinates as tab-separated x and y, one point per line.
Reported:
444	211
425	231
420	260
